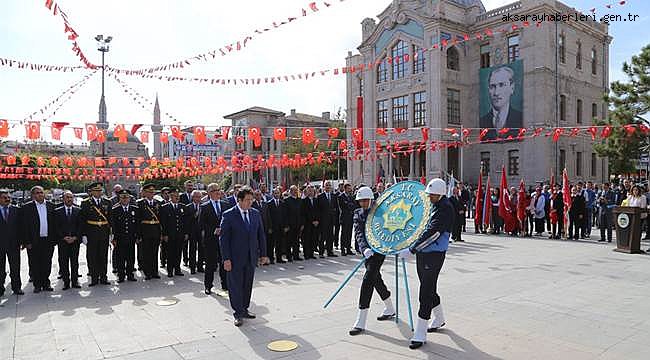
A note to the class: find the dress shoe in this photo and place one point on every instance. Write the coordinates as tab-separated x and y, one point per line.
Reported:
179	273
114	271
156	276
238	322
47	288
249	315
170	275
78	275
76	286
200	270
66	286
355	331
208	291
192	272
162	266
272	262
415	345
19	292
92	283
37	290
322	256
59	277
185	264
385	317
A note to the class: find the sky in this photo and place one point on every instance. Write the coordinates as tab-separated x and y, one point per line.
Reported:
151	32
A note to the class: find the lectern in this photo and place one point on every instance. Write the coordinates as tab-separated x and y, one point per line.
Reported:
628	229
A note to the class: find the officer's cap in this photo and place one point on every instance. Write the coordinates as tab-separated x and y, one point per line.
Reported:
149	187
96	187
124	192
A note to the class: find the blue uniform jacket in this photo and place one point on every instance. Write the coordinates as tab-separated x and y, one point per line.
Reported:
441	220
359	222
240	244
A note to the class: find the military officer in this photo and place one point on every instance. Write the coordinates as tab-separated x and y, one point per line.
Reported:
149	231
430	249
95	230
125	235
172	218
164	193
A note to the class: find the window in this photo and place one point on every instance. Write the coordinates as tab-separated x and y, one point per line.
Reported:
513	162
382	72
419	108
594	162
561	48
579	163
562	107
400	112
485	56
399	65
453	59
418	60
453	106
485	162
579	111
594	111
562	159
593	61
382	114
513	48
579	56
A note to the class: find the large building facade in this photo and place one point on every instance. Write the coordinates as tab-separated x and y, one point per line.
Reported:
551	75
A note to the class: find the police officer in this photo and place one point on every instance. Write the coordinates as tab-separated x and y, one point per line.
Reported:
372	278
172	218
95	232
150	231
430	249
125	235
164	194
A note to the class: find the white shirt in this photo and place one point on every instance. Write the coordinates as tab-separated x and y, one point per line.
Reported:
68	211
640	202
243	214
42	218
499	118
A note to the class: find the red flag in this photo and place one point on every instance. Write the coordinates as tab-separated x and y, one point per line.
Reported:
101	136
178	133
49	3
164	137
78	133
505	206
199	134
478	208
4	128
144	137
522	204
33	129
135	128
56	129
487	203
91	132
280	134
566	191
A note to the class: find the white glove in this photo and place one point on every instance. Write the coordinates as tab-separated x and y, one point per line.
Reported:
84	239
110	237
405	254
367	253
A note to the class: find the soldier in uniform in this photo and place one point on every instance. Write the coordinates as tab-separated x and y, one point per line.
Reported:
347	206
164	193
95	230
68	238
125	235
150	231
172	218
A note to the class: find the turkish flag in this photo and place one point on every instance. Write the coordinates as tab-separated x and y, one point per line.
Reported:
307	136
78	133
56	129
33	129
4	128
121	134
101	136
144	137
164	137
91	132
505	206
280	134
177	133
135	128
199	134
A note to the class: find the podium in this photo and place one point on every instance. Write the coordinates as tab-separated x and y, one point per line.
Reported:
628	229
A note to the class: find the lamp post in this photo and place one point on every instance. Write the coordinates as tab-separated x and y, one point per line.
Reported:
103	47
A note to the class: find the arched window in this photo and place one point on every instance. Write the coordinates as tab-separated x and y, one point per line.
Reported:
453	59
399	65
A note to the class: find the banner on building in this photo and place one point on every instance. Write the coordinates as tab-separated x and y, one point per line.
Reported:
501	99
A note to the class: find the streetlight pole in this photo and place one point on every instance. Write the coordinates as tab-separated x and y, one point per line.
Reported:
103	47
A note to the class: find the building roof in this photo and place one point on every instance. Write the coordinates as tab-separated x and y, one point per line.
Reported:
254	109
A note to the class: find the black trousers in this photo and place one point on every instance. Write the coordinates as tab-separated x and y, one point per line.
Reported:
558	227
113	258
213	261
346	237
293	243
174	252
69	261
457	230
576	228
163	253
97	257
186	251
124	257
40	262
240	280
273	244
429	266
539	225
327	238
196	256
372	281
337	232
13	256
149	248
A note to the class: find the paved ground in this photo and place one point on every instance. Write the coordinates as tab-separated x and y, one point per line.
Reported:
505	298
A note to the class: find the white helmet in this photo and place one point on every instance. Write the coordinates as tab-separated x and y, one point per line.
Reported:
437	187
365	193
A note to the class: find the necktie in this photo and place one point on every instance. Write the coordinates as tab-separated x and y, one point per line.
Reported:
4	213
246	218
69	211
126	209
277	203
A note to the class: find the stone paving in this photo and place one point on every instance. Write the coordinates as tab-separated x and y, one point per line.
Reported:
504	298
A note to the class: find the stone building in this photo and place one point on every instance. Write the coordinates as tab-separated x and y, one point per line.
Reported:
268	119
559	72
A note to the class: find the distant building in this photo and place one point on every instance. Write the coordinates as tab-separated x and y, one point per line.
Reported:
213	147
45	148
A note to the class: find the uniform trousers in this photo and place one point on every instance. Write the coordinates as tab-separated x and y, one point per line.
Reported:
163	253
149	248
97	256
124	257
372	281
429	266
174	246
69	261
576	226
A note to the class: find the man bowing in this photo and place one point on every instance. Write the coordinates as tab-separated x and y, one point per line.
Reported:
243	246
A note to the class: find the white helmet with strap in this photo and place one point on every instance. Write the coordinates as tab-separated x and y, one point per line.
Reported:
365	193
436	186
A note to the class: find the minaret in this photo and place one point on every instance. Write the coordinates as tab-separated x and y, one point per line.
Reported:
156	128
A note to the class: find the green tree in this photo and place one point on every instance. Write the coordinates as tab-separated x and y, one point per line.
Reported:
629	101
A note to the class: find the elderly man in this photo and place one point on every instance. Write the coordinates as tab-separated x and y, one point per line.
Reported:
193	226
311	222
95	230
10	225
186	196
68	237
39	238
210	220
115	197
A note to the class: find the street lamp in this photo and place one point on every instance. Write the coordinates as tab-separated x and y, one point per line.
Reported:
103	47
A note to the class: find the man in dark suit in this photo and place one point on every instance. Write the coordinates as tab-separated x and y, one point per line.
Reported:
10	224
94	218
310	231
294	224
329	211
185	199
275	240
68	238
124	218
244	247
501	87
211	212
172	217
340	190
193	226
150	231
557	208
232	199
347	205
39	238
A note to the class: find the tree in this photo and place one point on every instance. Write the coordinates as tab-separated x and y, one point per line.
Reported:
629	101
